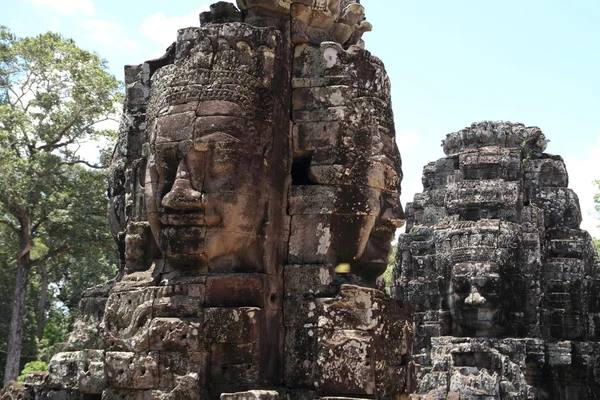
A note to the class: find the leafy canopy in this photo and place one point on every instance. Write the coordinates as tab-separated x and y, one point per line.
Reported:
54	97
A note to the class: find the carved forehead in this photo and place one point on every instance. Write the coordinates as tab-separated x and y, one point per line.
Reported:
476	270
214	131
235	63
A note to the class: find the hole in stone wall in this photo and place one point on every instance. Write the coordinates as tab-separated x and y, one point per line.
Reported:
141	322
478	359
456	163
92	397
301	171
471	214
142	172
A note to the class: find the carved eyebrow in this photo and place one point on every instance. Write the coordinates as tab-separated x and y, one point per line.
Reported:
216	137
203	143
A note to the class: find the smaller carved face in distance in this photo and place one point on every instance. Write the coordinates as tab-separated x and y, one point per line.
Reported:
475	298
207	187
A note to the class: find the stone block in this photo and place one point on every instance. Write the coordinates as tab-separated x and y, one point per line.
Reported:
355	308
302	280
309	136
80	370
322	97
235	363
126	370
487	198
300	357
92	377
120	394
301	312
491	163
334	169
560	205
176	366
470	383
176	334
233	325
345	362
178	306
243	290
310	239
86	333
319	239
340	200
128	315
251	395
63	370
391	380
546	172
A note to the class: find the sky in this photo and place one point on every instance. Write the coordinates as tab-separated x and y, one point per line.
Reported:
451	63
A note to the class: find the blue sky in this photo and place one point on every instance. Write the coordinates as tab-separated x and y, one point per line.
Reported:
451	63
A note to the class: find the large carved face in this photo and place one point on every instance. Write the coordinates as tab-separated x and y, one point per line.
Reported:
207	187
475	298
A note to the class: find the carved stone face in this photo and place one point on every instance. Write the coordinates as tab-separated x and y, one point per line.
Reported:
207	187
475	298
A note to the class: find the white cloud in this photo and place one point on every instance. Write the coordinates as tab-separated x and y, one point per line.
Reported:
67	7
163	29
582	172
108	33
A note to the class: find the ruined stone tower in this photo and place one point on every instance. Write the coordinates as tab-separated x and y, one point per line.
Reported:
256	156
503	282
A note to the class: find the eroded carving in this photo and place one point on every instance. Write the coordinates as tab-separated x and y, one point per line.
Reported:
254	158
502	279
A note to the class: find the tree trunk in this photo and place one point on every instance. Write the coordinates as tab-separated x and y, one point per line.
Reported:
41	314
15	335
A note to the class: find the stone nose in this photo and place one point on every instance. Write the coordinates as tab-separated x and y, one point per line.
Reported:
474	298
182	195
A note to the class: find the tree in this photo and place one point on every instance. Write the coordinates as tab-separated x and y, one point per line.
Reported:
597	197
52	97
597	206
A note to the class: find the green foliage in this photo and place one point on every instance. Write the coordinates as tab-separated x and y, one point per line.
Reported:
388	274
597	206
32	366
53	95
597	196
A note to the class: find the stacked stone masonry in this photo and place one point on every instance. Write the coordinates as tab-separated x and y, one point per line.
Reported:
503	283
256	156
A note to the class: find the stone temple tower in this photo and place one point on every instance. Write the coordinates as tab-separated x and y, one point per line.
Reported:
504	284
256	156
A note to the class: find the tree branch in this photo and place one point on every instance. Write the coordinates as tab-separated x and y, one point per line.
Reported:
37	224
51	146
93	166
49	255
